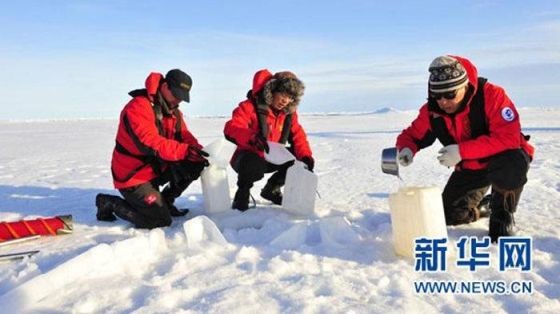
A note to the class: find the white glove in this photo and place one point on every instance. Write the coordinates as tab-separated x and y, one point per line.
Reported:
449	155
405	156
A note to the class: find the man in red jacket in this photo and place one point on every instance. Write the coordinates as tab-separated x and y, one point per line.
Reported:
153	148
480	130
268	114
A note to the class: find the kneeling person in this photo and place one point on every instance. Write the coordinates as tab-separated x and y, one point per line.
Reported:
153	148
480	130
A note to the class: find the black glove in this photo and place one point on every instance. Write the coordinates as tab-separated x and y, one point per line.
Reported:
194	168
196	155
185	172
259	142
309	162
189	169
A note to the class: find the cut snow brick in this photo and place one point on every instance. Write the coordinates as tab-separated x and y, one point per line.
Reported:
200	230
292	238
336	231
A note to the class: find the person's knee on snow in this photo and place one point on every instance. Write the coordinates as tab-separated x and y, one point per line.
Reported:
156	211
461	197
150	208
460	212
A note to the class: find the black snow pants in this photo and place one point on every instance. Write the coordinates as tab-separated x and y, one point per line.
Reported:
250	168
506	174
150	208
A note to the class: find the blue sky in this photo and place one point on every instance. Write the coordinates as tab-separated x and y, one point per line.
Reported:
79	59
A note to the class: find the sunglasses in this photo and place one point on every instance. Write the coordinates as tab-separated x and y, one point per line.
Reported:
447	95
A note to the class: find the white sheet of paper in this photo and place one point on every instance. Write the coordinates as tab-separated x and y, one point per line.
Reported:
278	154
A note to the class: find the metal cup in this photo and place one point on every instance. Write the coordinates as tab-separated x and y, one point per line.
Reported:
389	163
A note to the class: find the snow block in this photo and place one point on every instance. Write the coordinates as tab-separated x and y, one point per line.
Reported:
292	238
101	260
299	191
416	212
28	294
336	231
200	230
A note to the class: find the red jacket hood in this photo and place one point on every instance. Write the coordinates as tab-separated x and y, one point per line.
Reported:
260	78
152	82
472	72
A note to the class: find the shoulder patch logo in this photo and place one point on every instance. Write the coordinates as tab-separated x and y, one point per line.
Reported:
508	114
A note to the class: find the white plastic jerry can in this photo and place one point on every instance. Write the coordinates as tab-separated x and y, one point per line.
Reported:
416	212
299	191
215	189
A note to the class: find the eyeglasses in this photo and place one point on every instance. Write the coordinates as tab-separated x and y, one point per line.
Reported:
447	95
286	95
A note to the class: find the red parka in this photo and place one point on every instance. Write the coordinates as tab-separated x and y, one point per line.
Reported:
244	124
141	146
504	129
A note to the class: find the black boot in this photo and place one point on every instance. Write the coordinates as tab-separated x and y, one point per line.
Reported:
501	225
169	198
105	206
176	212
241	199
272	193
503	205
483	207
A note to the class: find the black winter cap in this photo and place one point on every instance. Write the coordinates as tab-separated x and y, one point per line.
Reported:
180	84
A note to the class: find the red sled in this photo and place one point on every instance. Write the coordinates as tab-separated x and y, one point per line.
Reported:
40	226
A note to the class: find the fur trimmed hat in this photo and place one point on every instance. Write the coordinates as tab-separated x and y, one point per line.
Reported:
446	74
283	82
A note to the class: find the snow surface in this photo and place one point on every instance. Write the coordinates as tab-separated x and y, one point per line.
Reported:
264	260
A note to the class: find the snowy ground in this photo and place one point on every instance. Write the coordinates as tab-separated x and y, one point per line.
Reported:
265	259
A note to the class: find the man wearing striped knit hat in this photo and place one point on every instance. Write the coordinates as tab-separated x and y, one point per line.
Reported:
480	131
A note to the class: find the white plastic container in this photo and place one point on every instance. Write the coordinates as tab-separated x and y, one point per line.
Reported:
215	189
300	189
416	212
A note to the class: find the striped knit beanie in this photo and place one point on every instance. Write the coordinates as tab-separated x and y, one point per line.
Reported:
446	74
